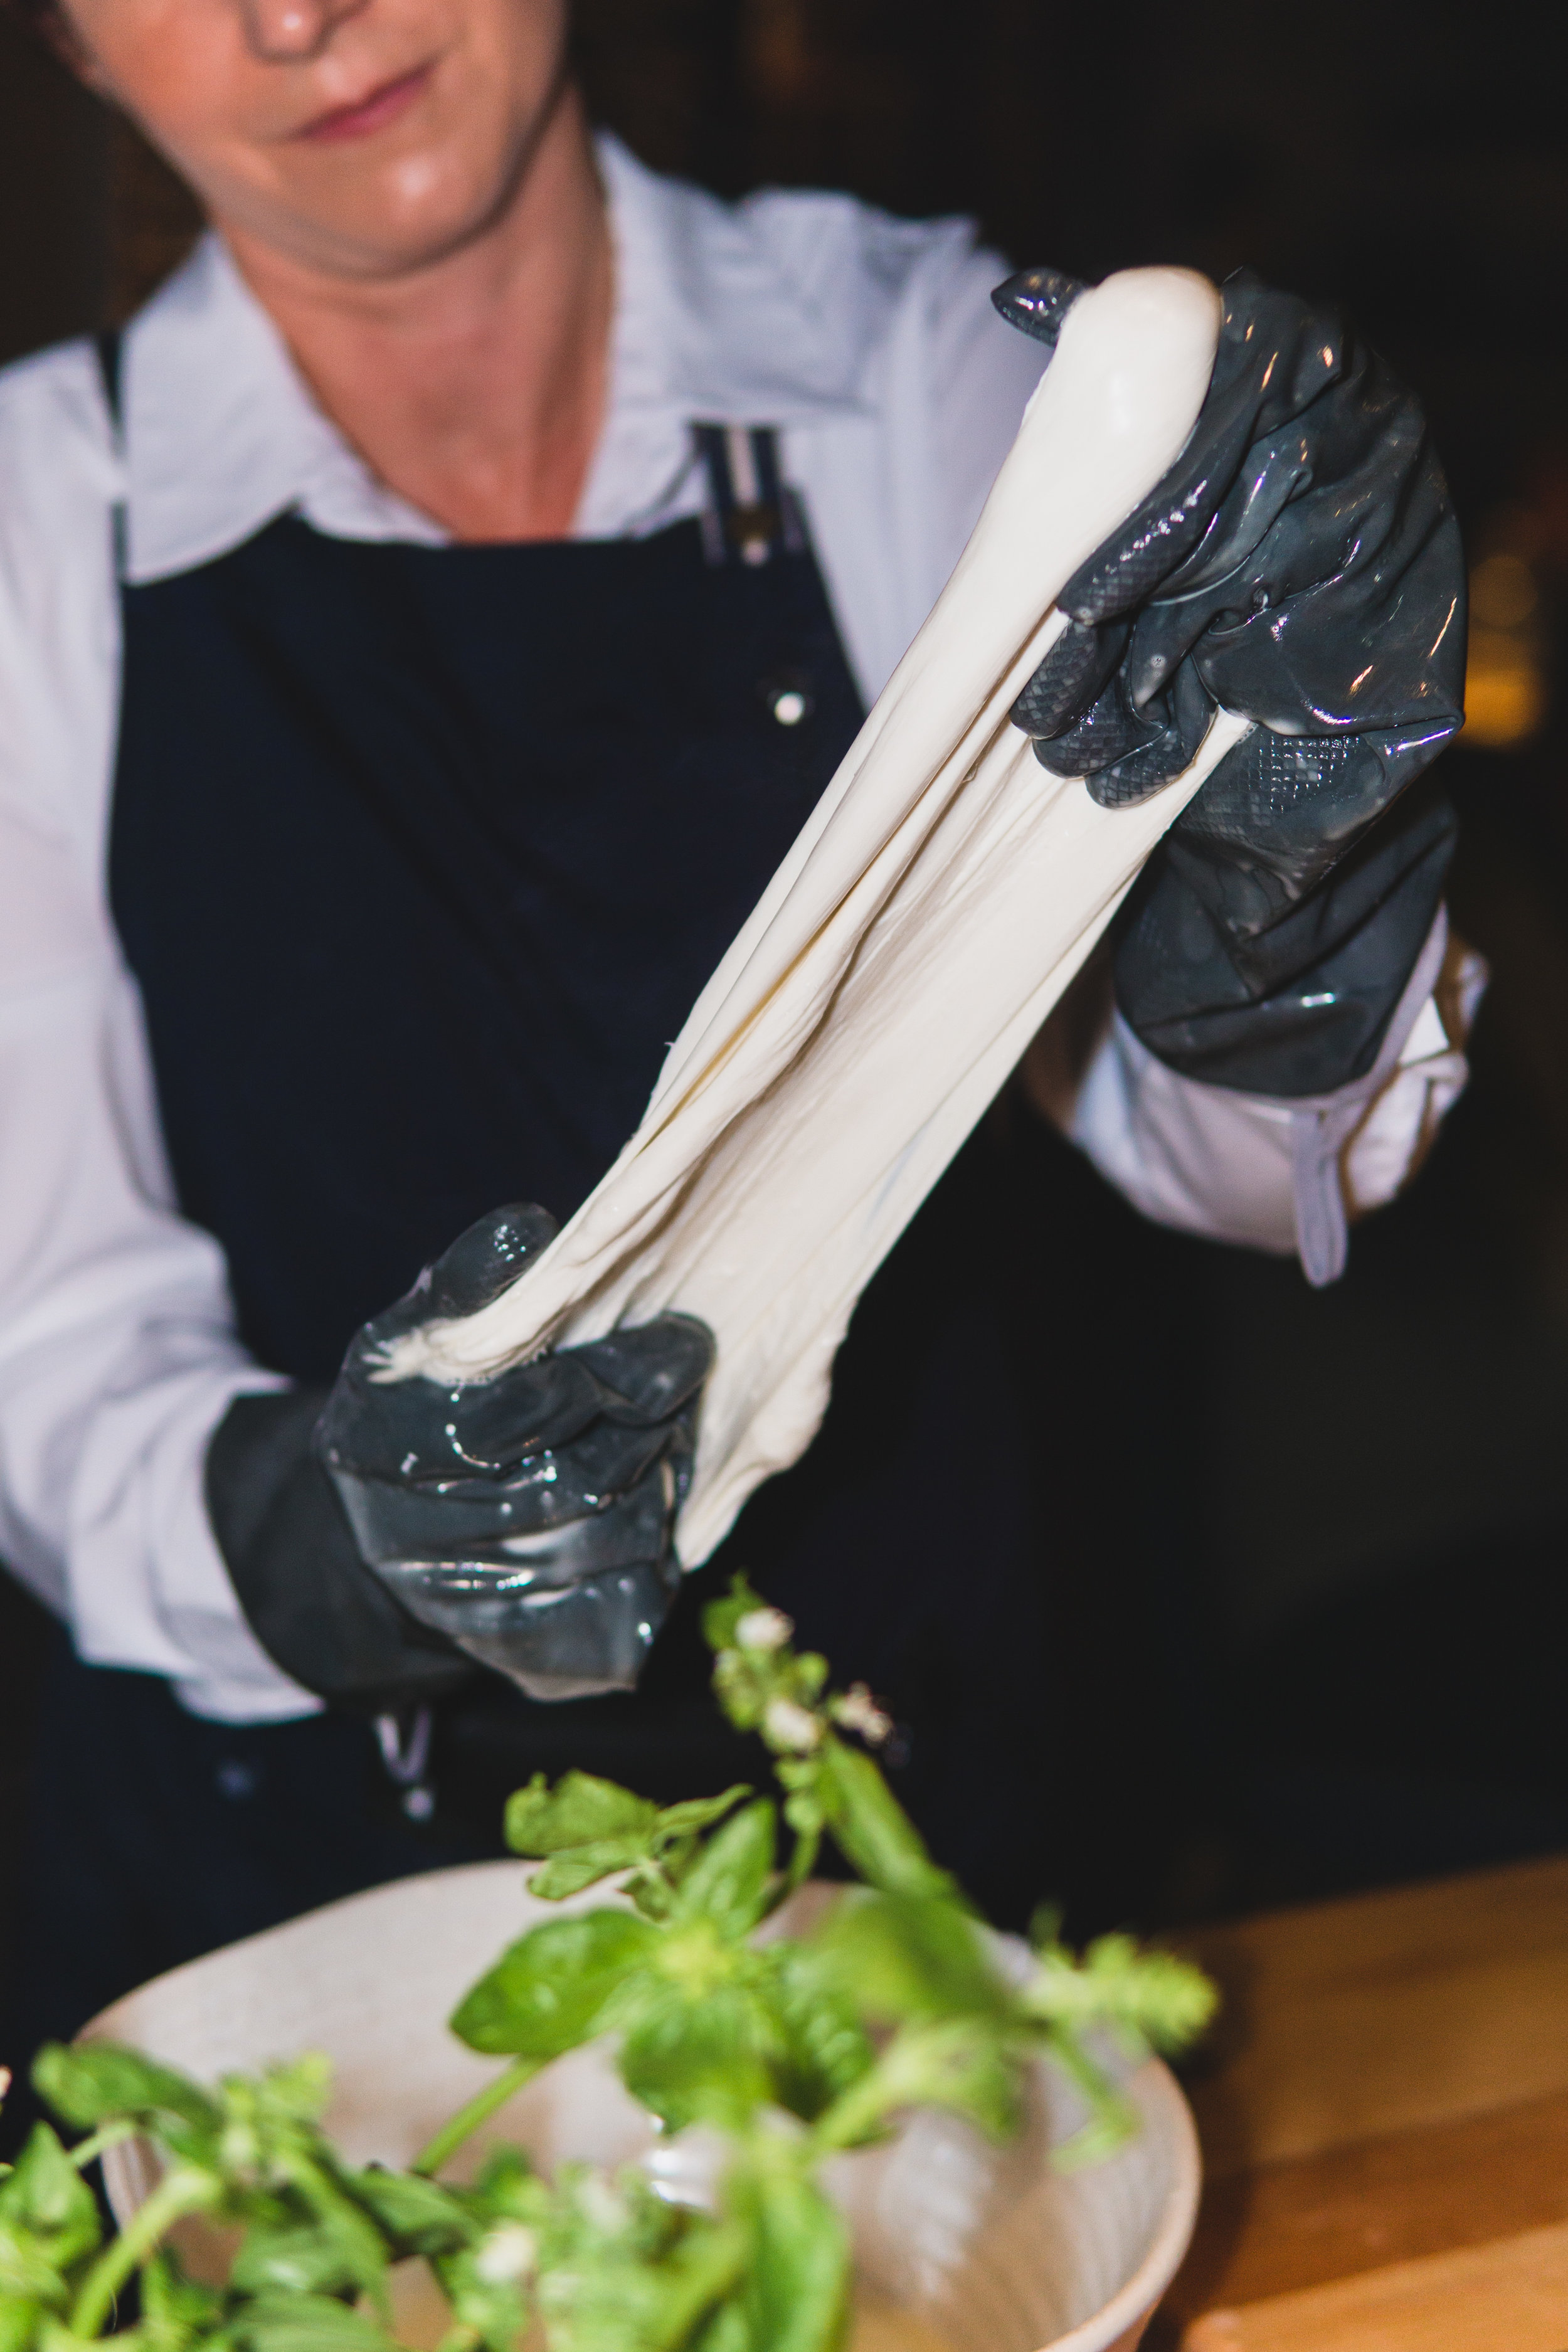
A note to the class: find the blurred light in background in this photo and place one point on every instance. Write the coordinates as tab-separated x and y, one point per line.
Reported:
1505	676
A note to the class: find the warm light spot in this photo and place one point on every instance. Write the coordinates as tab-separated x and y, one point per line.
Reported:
1505	694
1502	592
1505	680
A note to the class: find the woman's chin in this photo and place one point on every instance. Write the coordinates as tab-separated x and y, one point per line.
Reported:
381	225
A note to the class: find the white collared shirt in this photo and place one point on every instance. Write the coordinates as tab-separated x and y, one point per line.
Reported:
872	345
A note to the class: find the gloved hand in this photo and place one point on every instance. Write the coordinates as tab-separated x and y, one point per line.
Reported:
525	1519
1300	565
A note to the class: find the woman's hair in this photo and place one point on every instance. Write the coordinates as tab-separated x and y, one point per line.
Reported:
48	21
42	17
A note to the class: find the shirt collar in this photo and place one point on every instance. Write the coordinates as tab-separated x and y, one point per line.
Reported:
754	314
745	314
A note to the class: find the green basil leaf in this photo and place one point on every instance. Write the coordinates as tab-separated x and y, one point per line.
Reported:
701	2275
546	1993
963	2063
505	2189
418	2216
45	2202
579	1811
700	2057
871	1828
1156	1995
94	2081
823	2047
697	1813
795	2293
175	2309
304	2323
966	2064
725	2330
583	1865
27	2275
728	1883
496	2309
304	2258
295	2093
902	1957
31	2269
22	2319
622	2271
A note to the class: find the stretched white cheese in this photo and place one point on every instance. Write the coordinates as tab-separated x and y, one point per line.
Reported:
938	901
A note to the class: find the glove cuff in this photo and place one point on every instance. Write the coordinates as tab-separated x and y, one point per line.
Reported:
314	1606
1303	1008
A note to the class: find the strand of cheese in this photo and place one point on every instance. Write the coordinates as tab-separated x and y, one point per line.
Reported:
933	909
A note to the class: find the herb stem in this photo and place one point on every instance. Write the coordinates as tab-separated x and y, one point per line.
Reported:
716	2274
856	2113
460	2338
181	2193
478	2110
88	2151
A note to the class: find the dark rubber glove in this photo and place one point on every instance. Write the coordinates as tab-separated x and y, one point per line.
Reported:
524	1519
1300	565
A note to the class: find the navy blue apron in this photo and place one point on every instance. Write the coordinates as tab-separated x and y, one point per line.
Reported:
420	857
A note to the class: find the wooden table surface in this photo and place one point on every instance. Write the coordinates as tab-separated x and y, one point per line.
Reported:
1384	2113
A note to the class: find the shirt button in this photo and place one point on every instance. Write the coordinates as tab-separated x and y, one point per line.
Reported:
788	696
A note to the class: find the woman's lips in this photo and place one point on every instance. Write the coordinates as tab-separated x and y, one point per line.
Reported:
372	113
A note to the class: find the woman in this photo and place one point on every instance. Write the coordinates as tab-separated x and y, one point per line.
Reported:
421	635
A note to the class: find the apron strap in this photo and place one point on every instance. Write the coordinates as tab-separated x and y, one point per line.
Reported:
752	515
109	348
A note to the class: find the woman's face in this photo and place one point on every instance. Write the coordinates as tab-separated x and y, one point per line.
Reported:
364	138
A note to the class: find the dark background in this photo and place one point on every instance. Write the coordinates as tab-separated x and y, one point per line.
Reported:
1318	1603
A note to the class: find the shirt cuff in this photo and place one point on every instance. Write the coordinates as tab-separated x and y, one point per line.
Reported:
183	1617
1401	1125
1275	1175
1323	1128
235	1680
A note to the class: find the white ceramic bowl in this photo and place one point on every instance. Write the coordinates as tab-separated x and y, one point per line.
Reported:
988	2252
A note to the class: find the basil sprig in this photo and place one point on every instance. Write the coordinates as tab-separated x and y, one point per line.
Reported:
778	2052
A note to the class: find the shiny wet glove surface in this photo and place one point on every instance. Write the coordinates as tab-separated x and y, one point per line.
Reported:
525	1519
1300	566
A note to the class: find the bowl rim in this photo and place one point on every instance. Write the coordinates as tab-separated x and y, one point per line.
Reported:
1158	2093
1104	2329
